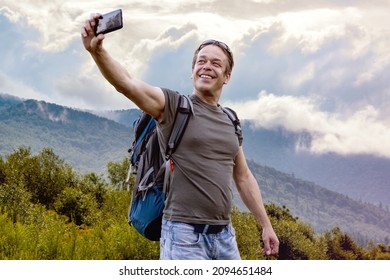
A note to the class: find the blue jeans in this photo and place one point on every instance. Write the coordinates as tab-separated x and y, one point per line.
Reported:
180	242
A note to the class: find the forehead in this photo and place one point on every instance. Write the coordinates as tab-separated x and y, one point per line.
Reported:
212	52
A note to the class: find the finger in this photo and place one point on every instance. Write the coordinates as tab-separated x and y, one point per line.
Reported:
86	29
275	248
84	32
93	19
267	248
89	25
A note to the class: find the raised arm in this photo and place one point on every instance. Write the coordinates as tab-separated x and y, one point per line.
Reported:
148	98
250	194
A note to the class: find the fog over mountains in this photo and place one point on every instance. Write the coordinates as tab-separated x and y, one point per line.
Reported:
325	190
362	177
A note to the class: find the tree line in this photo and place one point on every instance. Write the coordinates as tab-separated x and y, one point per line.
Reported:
50	211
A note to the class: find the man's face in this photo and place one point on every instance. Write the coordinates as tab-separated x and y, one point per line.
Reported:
209	73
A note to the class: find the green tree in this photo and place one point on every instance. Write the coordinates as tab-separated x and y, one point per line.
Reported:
85	217
96	186
340	246
44	175
15	200
79	207
379	251
117	172
298	240
2	170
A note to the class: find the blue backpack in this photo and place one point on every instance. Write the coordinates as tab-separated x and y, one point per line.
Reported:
148	165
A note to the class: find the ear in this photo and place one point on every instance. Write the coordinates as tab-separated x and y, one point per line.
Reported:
227	78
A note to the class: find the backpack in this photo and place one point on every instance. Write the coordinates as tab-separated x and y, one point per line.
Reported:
149	165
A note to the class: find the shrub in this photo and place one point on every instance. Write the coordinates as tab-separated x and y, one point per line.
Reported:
79	207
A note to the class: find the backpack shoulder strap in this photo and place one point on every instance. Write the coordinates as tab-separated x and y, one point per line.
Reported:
182	117
236	122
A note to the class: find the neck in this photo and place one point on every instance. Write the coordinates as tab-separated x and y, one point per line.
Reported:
209	98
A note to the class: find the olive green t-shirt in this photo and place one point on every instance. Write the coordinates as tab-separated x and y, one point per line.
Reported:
199	188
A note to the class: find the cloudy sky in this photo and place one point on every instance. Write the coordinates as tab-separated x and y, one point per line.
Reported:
317	66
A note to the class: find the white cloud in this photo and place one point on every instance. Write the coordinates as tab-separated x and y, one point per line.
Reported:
56	21
314	27
310	54
303	75
90	93
361	132
17	88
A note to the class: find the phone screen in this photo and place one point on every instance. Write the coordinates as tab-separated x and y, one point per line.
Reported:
109	22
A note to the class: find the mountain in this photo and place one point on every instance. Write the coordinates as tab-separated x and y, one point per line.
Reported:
125	117
88	142
322	208
9	100
362	177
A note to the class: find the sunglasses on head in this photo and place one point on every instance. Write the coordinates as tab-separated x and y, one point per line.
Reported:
215	42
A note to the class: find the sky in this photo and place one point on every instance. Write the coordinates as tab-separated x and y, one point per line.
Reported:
320	67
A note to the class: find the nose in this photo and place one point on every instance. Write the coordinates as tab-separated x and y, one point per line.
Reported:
207	65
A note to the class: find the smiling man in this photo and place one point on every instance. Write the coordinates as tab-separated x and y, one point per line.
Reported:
211	69
196	220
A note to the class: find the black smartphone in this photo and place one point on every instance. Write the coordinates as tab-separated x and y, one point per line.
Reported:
109	22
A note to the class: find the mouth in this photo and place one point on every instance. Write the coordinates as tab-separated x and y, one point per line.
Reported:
208	77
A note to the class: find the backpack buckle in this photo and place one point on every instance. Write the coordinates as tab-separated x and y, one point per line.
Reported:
171	165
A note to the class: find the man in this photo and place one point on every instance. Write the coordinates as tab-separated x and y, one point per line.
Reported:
196	221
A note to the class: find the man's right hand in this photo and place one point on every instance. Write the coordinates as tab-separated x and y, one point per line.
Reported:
148	98
91	42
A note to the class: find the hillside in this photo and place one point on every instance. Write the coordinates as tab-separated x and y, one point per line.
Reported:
322	208
89	142
362	177
84	140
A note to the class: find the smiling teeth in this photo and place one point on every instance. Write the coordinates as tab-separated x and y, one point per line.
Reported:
205	76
